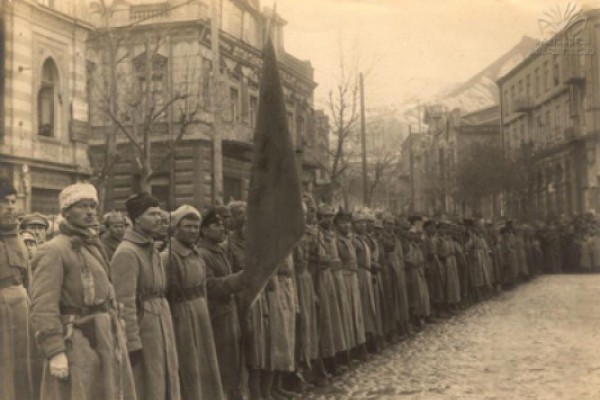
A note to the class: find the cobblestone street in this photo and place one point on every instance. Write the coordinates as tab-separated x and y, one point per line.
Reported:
538	341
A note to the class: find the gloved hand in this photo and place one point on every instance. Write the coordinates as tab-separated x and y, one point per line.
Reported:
59	366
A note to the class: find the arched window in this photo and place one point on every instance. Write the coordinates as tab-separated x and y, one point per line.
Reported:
46	99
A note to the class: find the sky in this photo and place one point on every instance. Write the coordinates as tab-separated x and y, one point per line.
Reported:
406	46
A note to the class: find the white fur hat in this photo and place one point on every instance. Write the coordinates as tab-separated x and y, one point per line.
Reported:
183	211
77	192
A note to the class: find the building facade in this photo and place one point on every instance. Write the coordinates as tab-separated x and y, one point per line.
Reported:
431	161
182	63
43	134
550	116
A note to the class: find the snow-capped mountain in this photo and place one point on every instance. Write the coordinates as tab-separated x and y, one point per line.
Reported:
478	92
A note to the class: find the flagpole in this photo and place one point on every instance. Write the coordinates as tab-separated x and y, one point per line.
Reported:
363	138
217	148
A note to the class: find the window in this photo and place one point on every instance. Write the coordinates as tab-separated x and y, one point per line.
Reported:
548	129
536	83
520	89
290	125
522	133
233	19
44	201
546	77
161	189
300	130
557	124
512	97
251	31
155	68
47	99
253	110
506	103
232	188
556	71
206	75
234	100
528	86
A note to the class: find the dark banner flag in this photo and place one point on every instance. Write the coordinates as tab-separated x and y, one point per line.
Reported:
275	221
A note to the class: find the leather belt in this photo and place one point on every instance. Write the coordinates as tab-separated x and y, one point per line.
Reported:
11	281
187	294
84	311
153	295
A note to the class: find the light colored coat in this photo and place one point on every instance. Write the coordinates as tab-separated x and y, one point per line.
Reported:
71	271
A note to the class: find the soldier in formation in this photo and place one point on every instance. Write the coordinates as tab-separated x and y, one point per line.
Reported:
150	309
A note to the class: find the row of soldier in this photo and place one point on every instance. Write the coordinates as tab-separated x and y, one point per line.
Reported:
150	310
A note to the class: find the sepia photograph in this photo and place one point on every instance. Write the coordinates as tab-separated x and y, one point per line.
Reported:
299	199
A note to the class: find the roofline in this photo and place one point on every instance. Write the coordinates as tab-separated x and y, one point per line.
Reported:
594	13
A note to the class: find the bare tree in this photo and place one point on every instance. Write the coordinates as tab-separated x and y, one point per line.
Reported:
385	133
343	108
128	99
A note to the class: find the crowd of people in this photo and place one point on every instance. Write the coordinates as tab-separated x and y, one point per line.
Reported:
146	303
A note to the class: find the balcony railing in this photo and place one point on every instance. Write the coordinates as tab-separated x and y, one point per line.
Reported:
573	71
523	104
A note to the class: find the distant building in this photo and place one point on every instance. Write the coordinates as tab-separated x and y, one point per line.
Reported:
550	115
430	160
186	52
43	132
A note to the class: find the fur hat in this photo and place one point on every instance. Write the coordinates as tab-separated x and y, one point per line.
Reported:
6	188
137	204
75	193
325	209
113	217
210	216
182	212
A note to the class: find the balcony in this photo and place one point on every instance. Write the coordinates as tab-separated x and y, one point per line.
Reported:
523	104
571	133
573	72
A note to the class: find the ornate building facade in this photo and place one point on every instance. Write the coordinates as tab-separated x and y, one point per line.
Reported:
182	65
551	117
43	134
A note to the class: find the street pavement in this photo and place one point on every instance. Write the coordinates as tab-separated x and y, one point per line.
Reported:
538	341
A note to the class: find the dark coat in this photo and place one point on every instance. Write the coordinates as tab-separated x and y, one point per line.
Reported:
198	365
141	282
15	377
72	271
221	285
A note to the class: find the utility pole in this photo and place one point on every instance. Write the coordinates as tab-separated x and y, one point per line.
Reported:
217	150
412	169
363	139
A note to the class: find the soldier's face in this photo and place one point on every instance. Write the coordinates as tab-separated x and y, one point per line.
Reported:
8	210
82	214
117	230
360	227
39	231
151	221
215	232
343	226
326	221
188	230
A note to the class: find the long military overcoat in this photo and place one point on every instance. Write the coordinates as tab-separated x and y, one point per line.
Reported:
141	280
221	286
74	311
198	365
